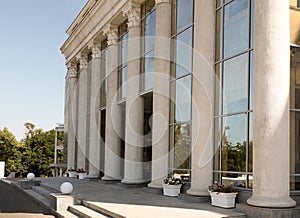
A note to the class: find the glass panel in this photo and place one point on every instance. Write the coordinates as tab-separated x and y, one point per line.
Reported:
171	148
295	26
149	31
172	101
124	78
295	79
184	175
218	3
185	13
216	178
252	24
149	71
250	181
218	131
237	180
235	93
236	27
251	82
124	49
250	149
183	99
295	183
218	90
234	143
184	52
219	35
295	142
182	146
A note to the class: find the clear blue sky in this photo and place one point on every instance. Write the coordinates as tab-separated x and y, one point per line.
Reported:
32	67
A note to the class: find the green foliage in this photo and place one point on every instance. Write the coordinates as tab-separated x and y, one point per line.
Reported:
34	153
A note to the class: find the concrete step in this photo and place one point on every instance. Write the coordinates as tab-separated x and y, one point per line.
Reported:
82	211
51	189
42	191
66	214
101	210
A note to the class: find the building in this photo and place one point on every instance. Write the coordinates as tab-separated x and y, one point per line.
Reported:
206	90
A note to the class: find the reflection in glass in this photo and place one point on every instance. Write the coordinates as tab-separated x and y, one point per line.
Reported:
149	31
149	70
218	90
235	87
183	99
234	143
236	27
218	131
185	14
250	149
251	82
182	146
184	52
295	183
124	49
219	36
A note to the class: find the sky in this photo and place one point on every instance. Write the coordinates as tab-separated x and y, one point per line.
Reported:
32	68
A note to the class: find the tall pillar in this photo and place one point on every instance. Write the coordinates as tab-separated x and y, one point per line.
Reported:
134	139
113	161
271	105
94	152
82	107
72	81
160	126
202	99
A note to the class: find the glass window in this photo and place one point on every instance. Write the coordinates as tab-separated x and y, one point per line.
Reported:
219	35
185	14
149	70
236	27
235	87
183	99
218	90
234	143
182	146
149	31
123	60
124	49
295	142
250	150
184	52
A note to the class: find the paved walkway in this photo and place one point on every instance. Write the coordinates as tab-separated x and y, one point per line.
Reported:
135	202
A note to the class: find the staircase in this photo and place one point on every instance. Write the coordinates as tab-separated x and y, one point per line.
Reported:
82	209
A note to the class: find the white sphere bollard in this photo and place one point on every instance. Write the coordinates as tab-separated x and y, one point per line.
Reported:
30	176
66	188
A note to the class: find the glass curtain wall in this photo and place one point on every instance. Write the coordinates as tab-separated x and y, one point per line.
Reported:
295	96
181	85
148	32
103	74
123	61
233	93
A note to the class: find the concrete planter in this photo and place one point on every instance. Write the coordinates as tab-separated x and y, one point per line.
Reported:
72	174
82	175
224	200
171	190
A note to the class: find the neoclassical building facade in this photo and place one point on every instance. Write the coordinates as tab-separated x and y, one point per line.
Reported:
199	89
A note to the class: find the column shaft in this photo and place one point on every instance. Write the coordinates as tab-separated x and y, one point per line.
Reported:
271	105
94	152
134	132
113	161
202	99
160	126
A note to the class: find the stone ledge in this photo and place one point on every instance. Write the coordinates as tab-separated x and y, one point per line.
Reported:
194	199
128	186
27	184
157	191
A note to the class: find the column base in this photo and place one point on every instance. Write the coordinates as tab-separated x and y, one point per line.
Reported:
155	184
271	202
197	192
109	178
133	182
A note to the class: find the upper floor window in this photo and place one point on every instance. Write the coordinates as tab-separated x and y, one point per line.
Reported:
123	60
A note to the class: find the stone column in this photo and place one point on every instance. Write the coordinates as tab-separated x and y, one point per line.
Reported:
160	126
71	110
94	152
203	98
113	161
134	139
82	83
271	105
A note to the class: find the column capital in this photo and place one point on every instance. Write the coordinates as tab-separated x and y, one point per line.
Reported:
161	1
83	60
72	73
96	49
133	13
111	31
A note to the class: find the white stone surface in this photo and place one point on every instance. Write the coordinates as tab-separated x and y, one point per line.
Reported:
30	176
66	188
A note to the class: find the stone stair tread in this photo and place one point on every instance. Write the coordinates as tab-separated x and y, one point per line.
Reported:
83	211
67	214
42	191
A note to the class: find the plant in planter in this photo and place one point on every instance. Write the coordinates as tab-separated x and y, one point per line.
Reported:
171	186
81	173
222	195
72	173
